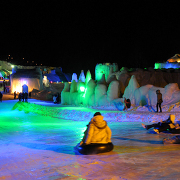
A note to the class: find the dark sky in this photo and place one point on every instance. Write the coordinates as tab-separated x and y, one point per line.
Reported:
77	35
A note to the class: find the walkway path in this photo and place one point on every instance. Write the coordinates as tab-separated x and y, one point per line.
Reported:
38	147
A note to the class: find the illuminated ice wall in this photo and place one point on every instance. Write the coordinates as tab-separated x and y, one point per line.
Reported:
89	93
105	69
167	65
173	62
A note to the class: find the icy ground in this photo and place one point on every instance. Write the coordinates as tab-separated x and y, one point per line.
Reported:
41	146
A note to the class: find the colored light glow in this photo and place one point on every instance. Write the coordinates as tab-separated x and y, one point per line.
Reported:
100	70
84	95
157	66
82	89
167	65
17	85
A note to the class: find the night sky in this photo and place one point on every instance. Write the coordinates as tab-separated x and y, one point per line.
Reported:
76	35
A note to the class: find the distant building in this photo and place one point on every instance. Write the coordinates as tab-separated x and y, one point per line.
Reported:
173	62
5	68
32	76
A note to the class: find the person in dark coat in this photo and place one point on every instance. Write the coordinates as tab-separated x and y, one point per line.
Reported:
14	94
4	85
1	95
159	100
57	99
26	96
23	94
20	96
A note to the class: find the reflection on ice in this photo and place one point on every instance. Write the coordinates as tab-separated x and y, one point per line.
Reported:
34	146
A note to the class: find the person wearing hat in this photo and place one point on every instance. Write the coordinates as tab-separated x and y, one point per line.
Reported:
159	100
167	125
97	131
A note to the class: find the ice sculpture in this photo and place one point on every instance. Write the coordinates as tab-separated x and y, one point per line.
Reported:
130	89
89	94
74	77
100	92
82	76
113	91
65	94
88	77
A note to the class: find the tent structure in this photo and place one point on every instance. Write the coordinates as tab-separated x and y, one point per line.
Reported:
57	75
30	77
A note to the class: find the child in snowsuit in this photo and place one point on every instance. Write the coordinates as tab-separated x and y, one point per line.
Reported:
127	104
97	131
123	106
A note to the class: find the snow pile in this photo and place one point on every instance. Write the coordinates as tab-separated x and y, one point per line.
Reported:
134	114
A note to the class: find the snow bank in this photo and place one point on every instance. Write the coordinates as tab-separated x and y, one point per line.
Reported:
134	114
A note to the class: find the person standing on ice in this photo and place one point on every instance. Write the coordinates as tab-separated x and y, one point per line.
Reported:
20	96
55	99
26	96
1	95
15	94
97	131
4	85
159	100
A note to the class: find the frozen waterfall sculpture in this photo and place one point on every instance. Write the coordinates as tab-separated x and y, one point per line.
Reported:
141	95
81	93
82	76
113	91
111	78
100	94
130	89
89	94
73	93
65	94
74	77
102	80
88	77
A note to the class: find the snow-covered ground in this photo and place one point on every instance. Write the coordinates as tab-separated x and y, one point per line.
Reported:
41	145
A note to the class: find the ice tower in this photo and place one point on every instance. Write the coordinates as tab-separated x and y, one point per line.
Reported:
105	68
